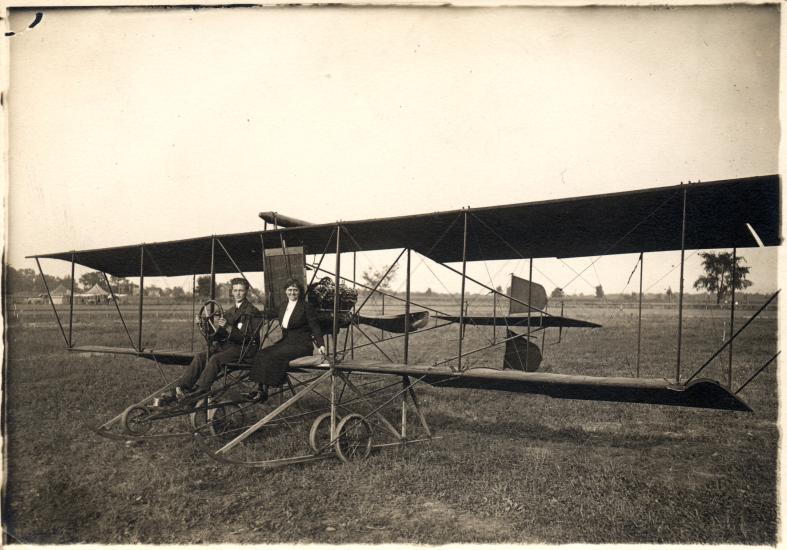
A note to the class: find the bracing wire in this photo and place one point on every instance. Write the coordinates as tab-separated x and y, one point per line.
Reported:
673	268
434	245
629	232
512	247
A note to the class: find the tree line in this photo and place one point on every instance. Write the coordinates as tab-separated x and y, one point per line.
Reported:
28	281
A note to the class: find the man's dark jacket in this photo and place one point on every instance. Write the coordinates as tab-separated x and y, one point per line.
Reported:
244	322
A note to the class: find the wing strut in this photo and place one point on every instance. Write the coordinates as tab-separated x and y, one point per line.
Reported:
142	290
680	296
462	298
335	331
639	310
71	305
732	313
529	302
52	302
114	299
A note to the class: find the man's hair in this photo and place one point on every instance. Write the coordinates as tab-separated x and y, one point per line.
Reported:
240	281
295	282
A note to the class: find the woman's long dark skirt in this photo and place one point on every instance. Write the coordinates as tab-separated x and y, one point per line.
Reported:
271	363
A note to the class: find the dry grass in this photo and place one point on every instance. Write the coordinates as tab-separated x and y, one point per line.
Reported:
510	468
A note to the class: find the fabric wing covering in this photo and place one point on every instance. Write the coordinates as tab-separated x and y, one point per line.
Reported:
650	220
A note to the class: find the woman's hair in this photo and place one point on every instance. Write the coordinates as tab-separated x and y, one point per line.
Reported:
295	282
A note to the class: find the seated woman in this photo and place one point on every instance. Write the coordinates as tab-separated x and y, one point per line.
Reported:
299	327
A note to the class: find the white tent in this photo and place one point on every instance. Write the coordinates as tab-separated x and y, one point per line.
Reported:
60	295
95	295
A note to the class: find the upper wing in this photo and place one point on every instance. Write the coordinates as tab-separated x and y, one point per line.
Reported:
717	216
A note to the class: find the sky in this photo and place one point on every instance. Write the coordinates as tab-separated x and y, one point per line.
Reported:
144	125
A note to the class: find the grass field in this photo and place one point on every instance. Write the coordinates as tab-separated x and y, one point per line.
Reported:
508	468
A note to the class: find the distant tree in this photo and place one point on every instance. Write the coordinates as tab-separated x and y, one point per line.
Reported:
120	285
52	281
718	278
669	294
91	279
499	289
21	280
557	293
203	286
370	277
428	291
29	281
178	292
599	291
153	290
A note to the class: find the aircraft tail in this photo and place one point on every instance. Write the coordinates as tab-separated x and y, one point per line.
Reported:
521	353
522	290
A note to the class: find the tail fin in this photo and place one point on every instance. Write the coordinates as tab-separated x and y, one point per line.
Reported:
522	289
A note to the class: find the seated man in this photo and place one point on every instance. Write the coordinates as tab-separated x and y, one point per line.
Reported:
235	331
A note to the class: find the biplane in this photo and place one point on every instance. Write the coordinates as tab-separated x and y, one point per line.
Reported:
346	403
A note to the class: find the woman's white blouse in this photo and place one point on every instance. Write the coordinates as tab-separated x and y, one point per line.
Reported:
290	307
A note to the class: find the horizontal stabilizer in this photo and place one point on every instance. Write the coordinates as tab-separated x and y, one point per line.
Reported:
396	323
519	320
521	353
700	393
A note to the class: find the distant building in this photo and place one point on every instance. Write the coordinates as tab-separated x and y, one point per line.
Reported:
60	295
95	295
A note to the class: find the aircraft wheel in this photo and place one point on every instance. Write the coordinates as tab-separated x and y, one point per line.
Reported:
135	420
198	418
225	419
354	441
320	433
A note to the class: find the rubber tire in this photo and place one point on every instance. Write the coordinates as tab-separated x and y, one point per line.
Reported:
198	418
131	417
351	422
316	429
216	426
